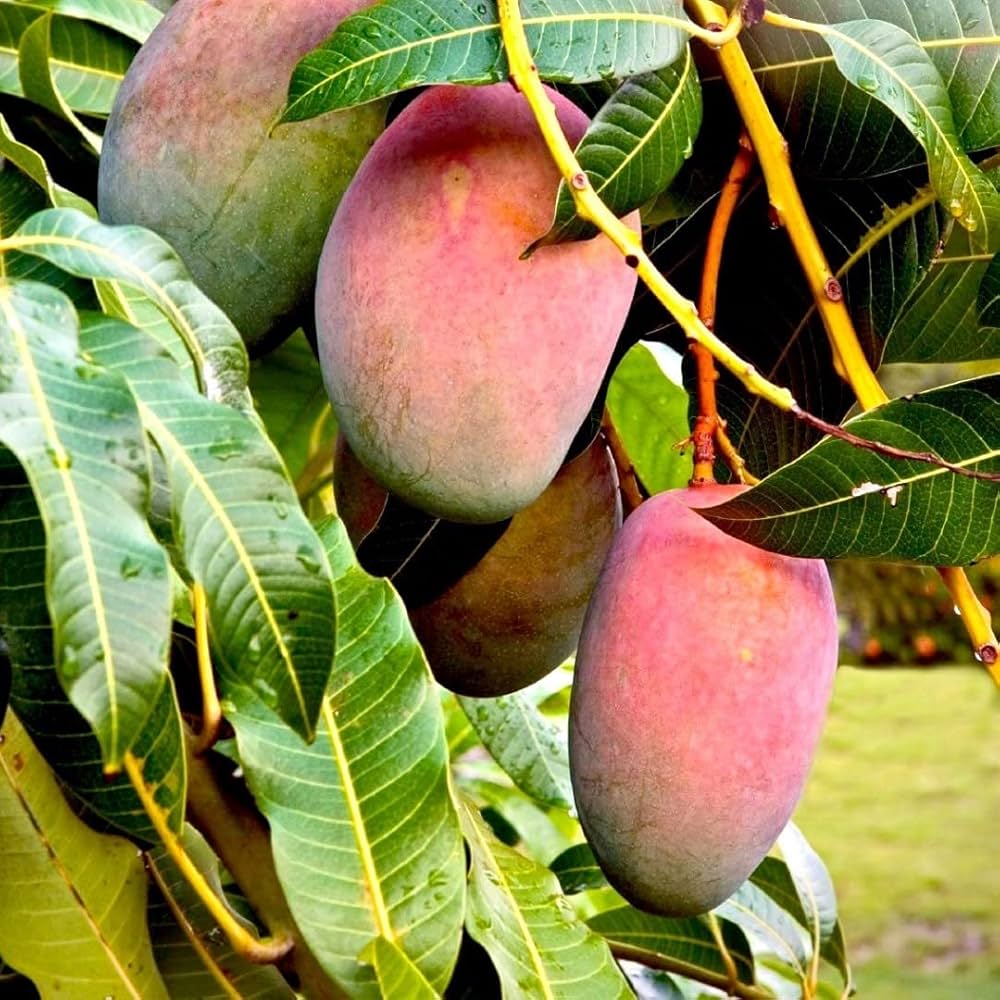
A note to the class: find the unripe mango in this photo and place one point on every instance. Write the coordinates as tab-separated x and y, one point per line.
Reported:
187	153
459	372
702	681
516	614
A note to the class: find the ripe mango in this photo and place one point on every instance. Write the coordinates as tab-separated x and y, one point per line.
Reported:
517	613
187	154
703	675
459	372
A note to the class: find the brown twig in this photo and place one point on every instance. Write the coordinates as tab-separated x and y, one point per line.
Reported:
709	431
891	451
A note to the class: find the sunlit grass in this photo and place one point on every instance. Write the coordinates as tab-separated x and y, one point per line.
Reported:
904	806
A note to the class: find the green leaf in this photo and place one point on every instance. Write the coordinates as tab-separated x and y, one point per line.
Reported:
768	926
577	870
133	18
836	129
35	69
76	431
88	60
538	944
194	959
839	500
239	527
72	901
650	413
363	827
398	44
688	944
635	145
396	975
812	883
32	163
288	391
141	260
890	65
530	749
58	730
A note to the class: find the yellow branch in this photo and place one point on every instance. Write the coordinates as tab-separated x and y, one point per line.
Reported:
263	952
524	75
211	711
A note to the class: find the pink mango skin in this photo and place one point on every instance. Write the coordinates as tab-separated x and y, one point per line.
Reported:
187	154
702	681
459	373
516	615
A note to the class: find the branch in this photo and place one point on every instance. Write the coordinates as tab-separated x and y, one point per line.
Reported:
211	711
628	479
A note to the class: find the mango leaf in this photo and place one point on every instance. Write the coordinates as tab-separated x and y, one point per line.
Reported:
398	44
838	130
139	259
889	64
33	164
635	145
538	944
839	500
194	959
768	926
289	395
397	976
88	61
577	870
76	431
35	69
364	832
59	731
72	901
133	18
239	527
947	318
649	410
531	749
688	945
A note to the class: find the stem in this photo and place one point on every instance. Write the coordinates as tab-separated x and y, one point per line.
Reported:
263	952
524	75
628	479
849	358
665	963
211	711
727	959
709	431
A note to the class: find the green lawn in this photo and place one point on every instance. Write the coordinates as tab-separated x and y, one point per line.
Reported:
904	806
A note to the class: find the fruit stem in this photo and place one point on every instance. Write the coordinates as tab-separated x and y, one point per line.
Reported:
211	711
628	479
848	355
709	432
524	76
263	952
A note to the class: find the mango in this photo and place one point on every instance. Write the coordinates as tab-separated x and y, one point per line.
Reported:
702	681
458	371
516	614
187	153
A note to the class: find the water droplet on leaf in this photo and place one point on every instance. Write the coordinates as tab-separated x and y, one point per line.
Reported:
869	84
307	558
130	567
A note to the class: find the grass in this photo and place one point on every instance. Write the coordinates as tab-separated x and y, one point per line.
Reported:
904	806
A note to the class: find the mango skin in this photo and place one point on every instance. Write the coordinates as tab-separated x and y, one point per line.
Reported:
702	681
459	373
186	153
516	615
